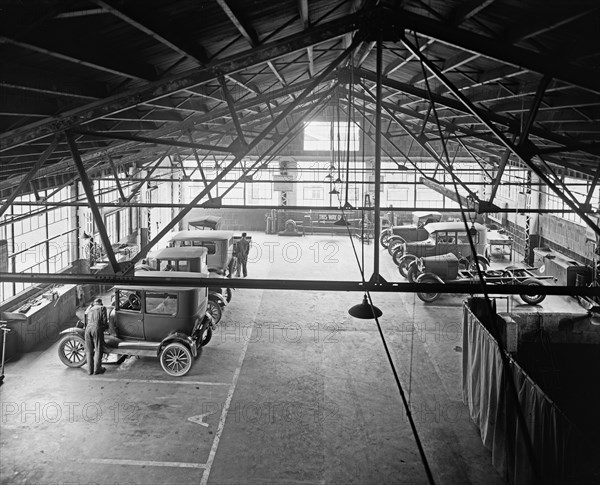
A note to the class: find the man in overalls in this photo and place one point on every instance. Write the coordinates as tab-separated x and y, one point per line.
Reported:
97	322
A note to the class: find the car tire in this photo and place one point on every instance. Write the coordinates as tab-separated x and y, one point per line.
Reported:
404	263
428	297
207	336
413	272
395	243
384	239
176	359
477	261
71	351
532	299
214	310
398	255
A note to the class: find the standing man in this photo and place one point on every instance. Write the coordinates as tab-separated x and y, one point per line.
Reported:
97	322
243	247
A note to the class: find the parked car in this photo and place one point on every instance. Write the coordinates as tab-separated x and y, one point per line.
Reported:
410	232
170	323
443	238
445	269
190	262
218	243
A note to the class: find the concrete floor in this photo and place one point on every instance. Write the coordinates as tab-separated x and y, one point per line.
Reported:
291	390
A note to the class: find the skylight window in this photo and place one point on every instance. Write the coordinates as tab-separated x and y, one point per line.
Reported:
326	136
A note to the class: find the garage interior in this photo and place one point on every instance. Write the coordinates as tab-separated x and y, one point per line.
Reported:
314	126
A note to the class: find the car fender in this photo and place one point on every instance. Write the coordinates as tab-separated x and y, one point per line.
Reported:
429	275
218	297
178	337
484	259
74	330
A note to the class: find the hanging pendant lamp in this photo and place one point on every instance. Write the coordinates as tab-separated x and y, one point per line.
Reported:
365	311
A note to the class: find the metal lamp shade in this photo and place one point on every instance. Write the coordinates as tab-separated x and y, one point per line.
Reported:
365	311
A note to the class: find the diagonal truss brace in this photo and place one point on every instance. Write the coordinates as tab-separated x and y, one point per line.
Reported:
425	145
358	38
29	177
89	192
523	154
537	101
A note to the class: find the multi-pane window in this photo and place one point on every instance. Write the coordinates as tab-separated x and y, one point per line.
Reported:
39	239
312	192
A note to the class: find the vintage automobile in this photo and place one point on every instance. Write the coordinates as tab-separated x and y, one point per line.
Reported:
191	262
218	243
170	323
443	238
411	232
445	269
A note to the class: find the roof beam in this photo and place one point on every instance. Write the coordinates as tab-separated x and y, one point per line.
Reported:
452	63
154	28
466	10
156	141
248	33
29	177
251	146
501	51
86	57
456	105
246	30
27	78
543	22
165	87
522	153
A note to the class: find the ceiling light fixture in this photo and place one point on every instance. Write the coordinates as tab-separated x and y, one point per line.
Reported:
365	311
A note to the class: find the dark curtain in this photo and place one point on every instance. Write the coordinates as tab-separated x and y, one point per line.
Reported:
563	454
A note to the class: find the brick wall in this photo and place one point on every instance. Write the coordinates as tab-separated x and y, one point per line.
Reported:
565	237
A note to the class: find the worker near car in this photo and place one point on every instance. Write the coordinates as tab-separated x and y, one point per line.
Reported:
96	323
242	248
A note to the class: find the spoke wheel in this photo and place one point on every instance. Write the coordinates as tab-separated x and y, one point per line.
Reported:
384	239
215	311
398	255
71	351
394	245
404	263
176	359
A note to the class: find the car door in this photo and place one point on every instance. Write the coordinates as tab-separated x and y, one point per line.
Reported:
129	315
161	314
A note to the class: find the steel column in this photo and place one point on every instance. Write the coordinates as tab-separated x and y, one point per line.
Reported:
377	200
